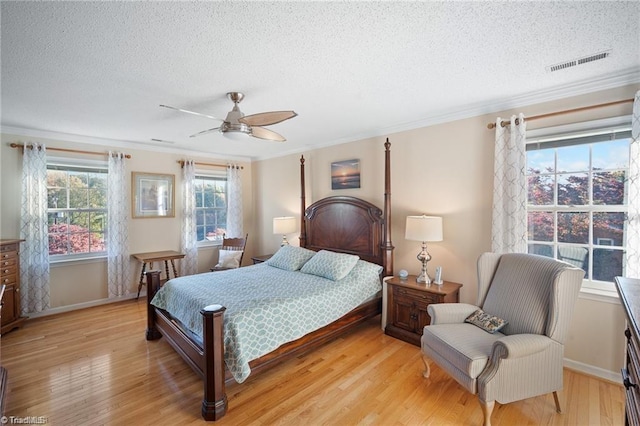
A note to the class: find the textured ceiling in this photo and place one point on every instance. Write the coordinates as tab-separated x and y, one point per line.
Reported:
91	71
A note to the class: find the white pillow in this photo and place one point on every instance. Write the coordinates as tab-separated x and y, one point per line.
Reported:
229	258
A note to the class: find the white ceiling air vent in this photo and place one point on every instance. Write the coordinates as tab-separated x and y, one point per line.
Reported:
584	60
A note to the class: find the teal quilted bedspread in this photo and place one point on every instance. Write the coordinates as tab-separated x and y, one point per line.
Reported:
265	306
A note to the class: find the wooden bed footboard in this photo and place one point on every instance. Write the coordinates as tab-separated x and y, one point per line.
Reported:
207	361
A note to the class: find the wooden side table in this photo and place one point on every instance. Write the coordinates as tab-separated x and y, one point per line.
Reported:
407	303
157	256
260	259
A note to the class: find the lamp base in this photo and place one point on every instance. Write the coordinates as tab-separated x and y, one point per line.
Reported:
424	257
284	241
424	278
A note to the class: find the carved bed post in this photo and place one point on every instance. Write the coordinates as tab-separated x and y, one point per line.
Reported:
214	402
303	207
153	284
388	246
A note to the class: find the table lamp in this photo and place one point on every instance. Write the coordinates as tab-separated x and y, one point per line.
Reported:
284	225
424	228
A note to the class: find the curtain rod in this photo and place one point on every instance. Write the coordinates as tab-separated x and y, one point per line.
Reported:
551	114
181	162
19	145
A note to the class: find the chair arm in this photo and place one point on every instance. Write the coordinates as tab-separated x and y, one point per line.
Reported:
450	313
519	345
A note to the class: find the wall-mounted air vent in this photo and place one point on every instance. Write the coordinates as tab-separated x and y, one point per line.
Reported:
580	61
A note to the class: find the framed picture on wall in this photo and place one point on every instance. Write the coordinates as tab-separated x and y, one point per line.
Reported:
152	195
345	174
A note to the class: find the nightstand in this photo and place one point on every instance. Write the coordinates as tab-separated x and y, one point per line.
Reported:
260	259
407	303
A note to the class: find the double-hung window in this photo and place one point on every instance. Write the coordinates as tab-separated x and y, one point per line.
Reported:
76	209
577	200
211	207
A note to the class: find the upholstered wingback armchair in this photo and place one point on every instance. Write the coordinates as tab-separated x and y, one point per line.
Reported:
535	295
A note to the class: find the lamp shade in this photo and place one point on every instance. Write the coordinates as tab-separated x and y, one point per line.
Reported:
284	225
424	228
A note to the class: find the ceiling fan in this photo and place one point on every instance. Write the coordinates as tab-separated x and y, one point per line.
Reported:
237	122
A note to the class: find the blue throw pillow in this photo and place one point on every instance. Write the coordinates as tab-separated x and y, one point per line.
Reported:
330	265
290	258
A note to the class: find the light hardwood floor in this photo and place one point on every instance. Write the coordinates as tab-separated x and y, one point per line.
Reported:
94	367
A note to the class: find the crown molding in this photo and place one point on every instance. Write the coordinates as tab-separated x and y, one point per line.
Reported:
610	81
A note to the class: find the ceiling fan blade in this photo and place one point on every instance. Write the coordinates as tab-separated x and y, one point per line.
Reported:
262	133
267	118
204	132
191	112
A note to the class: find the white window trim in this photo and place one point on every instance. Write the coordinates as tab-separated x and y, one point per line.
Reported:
591	290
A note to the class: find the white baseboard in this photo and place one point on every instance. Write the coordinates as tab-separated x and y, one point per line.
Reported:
612	376
69	308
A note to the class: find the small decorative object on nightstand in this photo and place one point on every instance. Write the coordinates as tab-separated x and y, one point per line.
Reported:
407	302
260	259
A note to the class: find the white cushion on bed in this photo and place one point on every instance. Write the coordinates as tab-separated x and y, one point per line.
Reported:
290	258
229	258
331	265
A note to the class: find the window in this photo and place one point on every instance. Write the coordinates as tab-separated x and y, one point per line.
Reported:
577	201
77	210
211	207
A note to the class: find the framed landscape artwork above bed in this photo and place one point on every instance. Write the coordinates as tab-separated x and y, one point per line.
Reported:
345	174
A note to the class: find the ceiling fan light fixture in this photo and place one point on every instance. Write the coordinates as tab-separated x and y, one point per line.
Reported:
235	131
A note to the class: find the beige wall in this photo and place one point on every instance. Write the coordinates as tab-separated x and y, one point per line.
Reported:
446	170
86	281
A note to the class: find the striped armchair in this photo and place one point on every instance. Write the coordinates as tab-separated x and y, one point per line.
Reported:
536	296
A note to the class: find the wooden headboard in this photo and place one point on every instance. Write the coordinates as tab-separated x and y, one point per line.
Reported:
350	225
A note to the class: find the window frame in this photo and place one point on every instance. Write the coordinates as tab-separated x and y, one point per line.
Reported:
596	290
76	163
208	174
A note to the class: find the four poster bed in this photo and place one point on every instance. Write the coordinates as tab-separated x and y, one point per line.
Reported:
349	229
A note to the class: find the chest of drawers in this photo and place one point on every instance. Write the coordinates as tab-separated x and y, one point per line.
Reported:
629	291
10	278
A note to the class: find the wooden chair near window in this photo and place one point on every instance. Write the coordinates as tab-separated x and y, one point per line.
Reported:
230	253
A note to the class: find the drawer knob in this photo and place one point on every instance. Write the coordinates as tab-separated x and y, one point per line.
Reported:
6	271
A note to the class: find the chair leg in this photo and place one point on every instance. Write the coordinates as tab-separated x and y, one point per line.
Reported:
487	409
557	401
427	371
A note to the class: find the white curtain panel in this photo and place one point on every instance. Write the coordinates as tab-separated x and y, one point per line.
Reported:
234	203
633	214
509	219
34	251
189	264
118	262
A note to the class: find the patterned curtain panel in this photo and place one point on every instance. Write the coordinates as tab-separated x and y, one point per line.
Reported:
234	203
118	262
509	219
189	264
633	215
34	252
